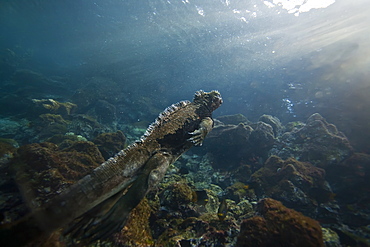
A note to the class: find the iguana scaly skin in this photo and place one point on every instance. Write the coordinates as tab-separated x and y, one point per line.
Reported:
101	201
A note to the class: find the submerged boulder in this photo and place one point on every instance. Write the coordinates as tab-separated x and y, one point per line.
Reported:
42	170
245	143
279	226
110	143
299	185
318	142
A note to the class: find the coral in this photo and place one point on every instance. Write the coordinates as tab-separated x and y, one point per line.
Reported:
110	143
279	226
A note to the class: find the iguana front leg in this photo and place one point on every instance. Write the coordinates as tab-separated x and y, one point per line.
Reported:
200	134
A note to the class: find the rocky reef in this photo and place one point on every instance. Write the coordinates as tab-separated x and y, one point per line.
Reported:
250	184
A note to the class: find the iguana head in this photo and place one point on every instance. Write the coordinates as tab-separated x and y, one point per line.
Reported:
211	100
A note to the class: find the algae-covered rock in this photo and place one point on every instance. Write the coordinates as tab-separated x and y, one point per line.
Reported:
7	148
318	142
233	119
229	145
298	185
279	226
86	126
262	138
330	237
110	143
235	145
28	82
176	195
42	170
274	122
50	124
105	112
137	231
350	181
54	107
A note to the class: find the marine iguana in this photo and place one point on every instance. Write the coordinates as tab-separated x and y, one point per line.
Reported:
99	204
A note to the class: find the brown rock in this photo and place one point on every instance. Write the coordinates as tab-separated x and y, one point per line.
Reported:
279	226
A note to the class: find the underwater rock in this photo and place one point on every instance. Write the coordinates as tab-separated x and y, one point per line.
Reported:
13	104
278	224
29	82
298	185
7	149
197	232
350	181
9	60
330	237
233	119
48	125
38	173
99	88
239	192
43	171
105	112
110	143
137	232
352	237
9	127
274	122
87	126
318	142
262	138
54	107
232	146
65	141
229	145
176	195
11	206
239	211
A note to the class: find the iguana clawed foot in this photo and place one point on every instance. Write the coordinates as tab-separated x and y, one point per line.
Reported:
200	134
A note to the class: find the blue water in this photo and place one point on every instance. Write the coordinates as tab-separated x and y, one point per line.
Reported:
257	56
139	56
